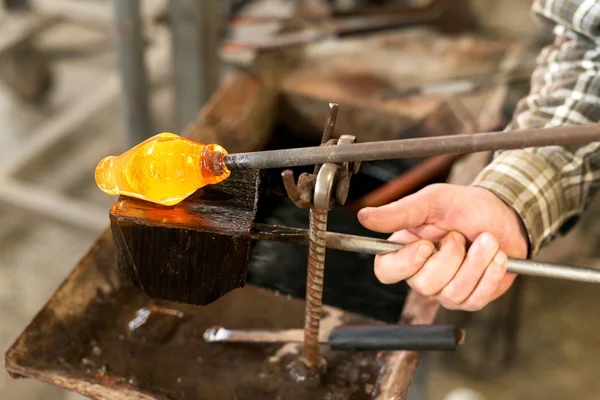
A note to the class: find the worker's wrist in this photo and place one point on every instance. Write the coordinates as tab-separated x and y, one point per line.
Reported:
513	178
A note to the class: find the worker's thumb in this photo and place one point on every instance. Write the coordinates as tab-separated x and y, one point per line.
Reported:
407	213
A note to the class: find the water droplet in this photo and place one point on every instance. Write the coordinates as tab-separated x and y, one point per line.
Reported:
154	324
89	365
96	350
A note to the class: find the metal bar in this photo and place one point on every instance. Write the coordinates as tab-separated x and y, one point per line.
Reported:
53	205
361	244
220	334
314	287
416	148
353	338
328	129
194	57
335	28
131	51
61	125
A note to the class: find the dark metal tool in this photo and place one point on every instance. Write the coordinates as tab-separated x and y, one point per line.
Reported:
354	338
574	135
362	244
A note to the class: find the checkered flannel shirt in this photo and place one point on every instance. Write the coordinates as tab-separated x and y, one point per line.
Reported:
550	187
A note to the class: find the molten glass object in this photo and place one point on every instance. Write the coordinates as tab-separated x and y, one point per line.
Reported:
163	169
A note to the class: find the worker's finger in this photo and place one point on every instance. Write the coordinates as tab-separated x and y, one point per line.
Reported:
430	232
504	285
485	289
409	212
404	236
480	254
441	267
402	264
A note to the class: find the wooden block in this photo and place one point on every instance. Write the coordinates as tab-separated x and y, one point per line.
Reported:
194	252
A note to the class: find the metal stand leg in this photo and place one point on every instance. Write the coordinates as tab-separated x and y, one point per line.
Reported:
131	50
194	29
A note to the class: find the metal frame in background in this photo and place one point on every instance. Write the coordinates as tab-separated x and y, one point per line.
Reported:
195	29
144	58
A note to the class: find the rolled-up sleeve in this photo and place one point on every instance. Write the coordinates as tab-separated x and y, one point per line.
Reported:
550	187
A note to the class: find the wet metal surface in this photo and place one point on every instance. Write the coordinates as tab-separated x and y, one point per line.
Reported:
83	340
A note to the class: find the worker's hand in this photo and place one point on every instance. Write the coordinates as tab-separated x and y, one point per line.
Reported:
457	217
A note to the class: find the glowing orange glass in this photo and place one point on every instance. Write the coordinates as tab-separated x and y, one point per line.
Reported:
163	169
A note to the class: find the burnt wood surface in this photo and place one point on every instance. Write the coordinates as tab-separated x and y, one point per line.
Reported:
193	252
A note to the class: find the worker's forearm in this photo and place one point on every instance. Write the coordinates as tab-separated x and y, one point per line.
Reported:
549	187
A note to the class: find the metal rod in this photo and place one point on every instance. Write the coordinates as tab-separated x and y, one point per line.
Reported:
353	338
328	129
194	56
131	50
361	244
220	334
314	287
336	28
415	148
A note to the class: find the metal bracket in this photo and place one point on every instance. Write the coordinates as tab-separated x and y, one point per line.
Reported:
330	184
318	191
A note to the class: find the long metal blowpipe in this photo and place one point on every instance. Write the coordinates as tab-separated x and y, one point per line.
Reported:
573	135
361	244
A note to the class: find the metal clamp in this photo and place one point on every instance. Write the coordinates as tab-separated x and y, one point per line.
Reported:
330	184
327	180
318	191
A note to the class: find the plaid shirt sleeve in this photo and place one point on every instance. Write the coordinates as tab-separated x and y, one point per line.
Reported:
550	187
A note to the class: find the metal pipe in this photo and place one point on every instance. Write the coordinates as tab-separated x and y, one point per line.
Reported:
194	55
415	148
131	51
361	244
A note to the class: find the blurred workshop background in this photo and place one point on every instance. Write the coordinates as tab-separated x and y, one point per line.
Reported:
75	88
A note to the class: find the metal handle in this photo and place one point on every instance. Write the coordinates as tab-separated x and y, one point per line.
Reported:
396	337
572	135
361	244
352	338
